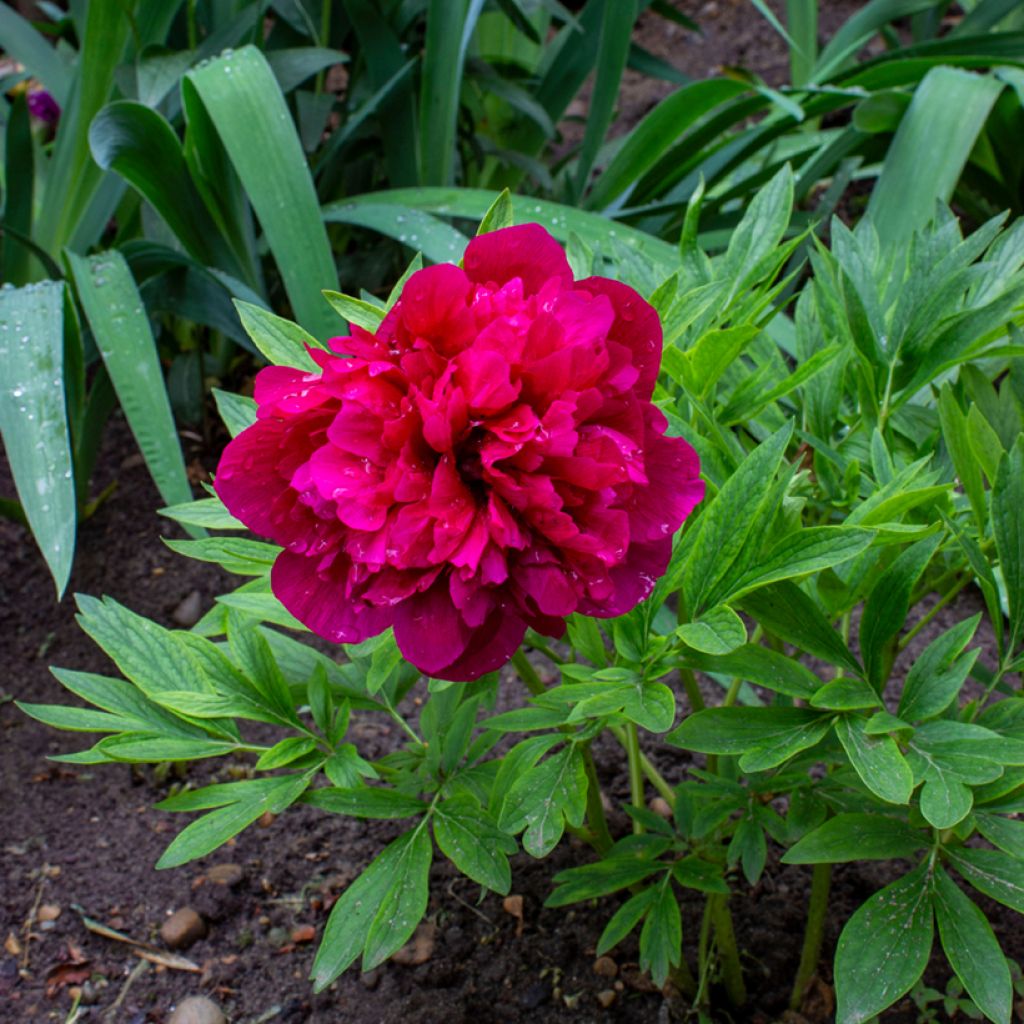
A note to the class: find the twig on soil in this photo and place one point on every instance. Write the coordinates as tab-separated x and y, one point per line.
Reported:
273	1012
469	906
31	920
143	949
136	972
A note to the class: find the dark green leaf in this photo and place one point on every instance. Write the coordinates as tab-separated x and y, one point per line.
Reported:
471	840
856	836
877	760
992	872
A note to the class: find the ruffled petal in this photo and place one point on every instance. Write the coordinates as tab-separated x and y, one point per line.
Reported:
525	251
636	326
318	599
632	581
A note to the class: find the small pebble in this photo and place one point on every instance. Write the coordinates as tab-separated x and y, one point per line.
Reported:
225	874
49	912
189	610
606	997
303	933
661	807
197	1010
606	967
182	928
420	948
278	937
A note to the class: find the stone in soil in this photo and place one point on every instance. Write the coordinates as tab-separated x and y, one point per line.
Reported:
197	1010
182	928
225	874
189	610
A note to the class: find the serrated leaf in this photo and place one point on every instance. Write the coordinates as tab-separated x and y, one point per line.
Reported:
884	948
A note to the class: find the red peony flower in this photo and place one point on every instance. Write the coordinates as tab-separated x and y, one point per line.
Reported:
488	460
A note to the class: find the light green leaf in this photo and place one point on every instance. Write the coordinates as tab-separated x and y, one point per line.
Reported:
244	102
119	323
1008	528
33	418
471	840
719	630
877	760
355	311
282	342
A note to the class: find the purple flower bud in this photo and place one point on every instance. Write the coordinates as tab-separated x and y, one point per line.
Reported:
43	107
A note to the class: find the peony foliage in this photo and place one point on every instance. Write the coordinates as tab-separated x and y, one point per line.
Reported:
500	465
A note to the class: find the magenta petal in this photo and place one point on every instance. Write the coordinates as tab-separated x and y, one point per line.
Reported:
636	326
633	580
673	472
488	649
318	601
430	631
526	251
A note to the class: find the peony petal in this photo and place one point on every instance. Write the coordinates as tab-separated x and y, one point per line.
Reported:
433	306
633	580
318	600
430	631
636	326
525	251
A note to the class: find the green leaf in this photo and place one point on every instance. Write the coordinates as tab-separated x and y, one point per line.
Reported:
1005	833
404	903
719	630
884	948
724	525
992	872
470	839
877	760
600	879
137	143
152	748
938	673
613	49
972	949
353	916
242	99
694	873
150	656
651	705
656	133
886	607
955	434
1008	528
759	231
33	418
366	802
473	203
436	240
75	719
237	411
855	836
984	442
282	342
625	919
119	323
235	554
945	800
945	116
774	750
803	552
321	703
845	695
355	311
216	828
759	665
285	752
208	513
499	215
736	730
661	938
449	27
785	611
544	798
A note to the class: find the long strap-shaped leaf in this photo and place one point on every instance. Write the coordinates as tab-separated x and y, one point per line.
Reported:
943	120
73	177
33	418
114	309
243	100
473	203
18	39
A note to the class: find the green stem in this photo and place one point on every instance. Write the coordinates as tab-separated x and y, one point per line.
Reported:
933	611
692	689
538	645
528	673
682	978
703	951
814	933
636	775
728	953
602	838
325	40
654	777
